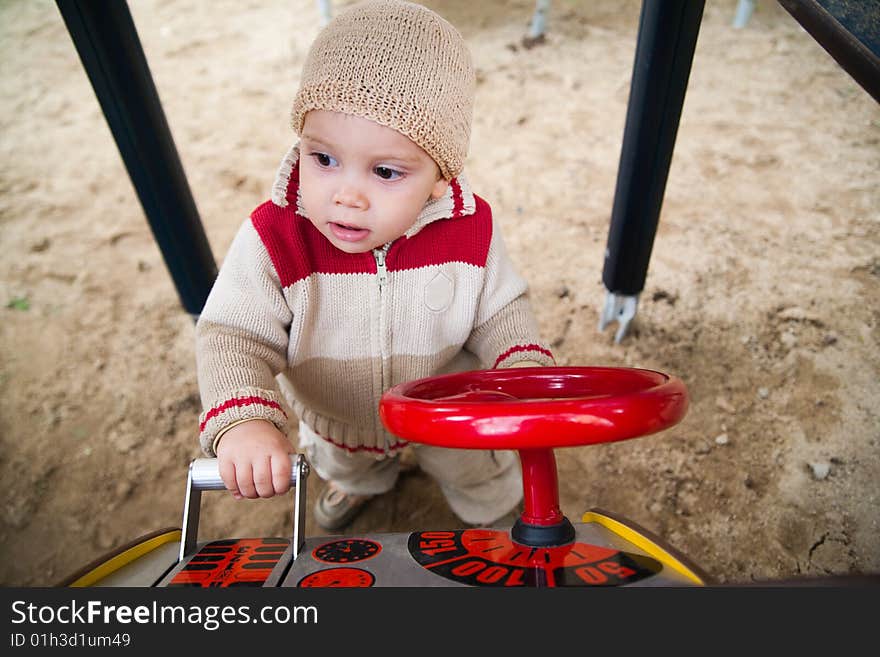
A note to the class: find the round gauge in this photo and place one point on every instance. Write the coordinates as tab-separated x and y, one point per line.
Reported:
488	557
346	550
338	577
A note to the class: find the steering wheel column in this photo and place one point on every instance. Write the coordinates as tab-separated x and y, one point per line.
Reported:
542	523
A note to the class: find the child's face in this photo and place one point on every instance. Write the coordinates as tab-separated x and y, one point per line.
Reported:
362	184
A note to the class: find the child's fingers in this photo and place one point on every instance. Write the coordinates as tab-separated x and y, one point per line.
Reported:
244	477
263	477
227	474
281	474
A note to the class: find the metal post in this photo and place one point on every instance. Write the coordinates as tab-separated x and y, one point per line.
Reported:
325	8
539	19
108	45
667	38
744	11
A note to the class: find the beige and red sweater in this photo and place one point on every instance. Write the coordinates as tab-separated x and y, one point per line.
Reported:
343	328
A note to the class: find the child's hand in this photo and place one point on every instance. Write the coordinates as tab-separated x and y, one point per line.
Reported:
254	460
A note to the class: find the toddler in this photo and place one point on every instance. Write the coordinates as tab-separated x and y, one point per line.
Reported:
372	264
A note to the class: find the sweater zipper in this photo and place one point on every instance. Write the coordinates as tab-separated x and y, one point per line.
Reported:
382	278
381	271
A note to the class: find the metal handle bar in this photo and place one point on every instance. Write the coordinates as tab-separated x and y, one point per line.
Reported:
204	474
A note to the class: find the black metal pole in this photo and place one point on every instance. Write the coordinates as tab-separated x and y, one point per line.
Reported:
108	45
667	38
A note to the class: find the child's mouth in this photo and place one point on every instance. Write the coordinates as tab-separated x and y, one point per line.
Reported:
348	233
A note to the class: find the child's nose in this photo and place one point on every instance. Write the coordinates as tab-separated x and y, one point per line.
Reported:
350	196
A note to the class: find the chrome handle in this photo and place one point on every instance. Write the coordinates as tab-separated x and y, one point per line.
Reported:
205	474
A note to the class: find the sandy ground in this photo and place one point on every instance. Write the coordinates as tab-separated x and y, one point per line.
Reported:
762	293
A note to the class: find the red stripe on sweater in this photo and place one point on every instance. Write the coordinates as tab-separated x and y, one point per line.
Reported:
298	249
236	403
292	185
523	347
464	239
374	450
457	200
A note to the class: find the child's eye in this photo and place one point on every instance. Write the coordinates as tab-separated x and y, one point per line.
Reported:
386	173
324	160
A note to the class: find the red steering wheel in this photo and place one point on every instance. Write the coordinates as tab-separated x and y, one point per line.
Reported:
534	410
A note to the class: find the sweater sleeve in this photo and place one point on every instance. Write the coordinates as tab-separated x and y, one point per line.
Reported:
242	340
506	330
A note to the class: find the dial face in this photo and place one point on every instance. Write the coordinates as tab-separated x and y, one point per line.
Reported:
488	557
338	577
346	550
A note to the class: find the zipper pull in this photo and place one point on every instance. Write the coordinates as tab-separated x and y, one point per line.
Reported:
381	271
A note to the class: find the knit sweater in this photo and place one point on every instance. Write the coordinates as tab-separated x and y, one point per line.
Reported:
343	328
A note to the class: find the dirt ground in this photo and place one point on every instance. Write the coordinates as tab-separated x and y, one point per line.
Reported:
762	292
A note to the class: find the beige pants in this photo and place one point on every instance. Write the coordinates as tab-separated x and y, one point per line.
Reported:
480	485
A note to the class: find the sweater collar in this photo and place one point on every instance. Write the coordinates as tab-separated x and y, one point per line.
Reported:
458	201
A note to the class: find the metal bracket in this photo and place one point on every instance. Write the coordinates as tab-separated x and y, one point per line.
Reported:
621	308
204	474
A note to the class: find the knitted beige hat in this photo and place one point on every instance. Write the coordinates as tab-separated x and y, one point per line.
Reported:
398	64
